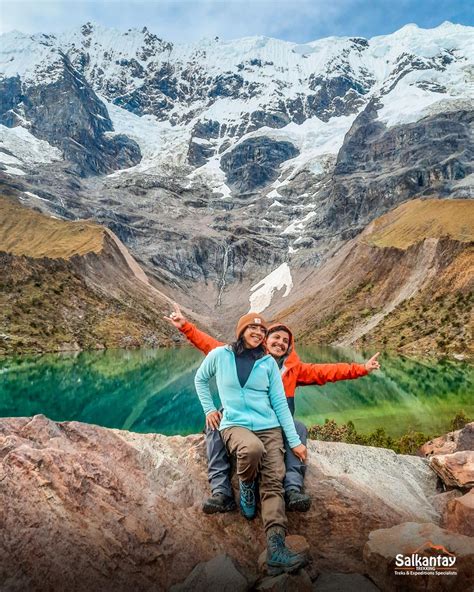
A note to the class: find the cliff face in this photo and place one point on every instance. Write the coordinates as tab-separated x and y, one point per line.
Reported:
72	285
404	283
84	507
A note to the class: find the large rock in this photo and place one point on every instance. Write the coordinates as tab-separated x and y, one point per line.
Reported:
219	573
455	470
440	501
456	441
340	582
459	514
425	540
85	508
287	583
354	488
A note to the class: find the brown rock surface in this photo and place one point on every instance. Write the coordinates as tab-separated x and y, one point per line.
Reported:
220	573
451	442
87	508
459	514
340	582
425	539
455	470
299	582
441	500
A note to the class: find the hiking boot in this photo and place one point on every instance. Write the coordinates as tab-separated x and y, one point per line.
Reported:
297	501
248	505
280	559
219	502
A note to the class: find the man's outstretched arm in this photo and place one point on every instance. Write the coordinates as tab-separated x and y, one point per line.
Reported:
323	373
199	339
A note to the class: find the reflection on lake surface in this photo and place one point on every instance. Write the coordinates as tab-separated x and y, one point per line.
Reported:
153	391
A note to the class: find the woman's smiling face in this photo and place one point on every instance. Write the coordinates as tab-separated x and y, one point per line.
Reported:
278	343
253	336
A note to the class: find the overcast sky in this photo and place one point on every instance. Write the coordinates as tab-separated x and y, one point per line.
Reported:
186	20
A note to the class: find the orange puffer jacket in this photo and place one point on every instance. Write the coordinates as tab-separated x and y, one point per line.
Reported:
294	372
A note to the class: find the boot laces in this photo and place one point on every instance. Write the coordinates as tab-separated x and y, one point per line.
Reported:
279	550
248	493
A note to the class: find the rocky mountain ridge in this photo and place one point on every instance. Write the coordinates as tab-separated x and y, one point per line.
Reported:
226	165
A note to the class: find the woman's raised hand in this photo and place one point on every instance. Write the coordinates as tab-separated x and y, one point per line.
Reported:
213	420
300	452
176	318
372	364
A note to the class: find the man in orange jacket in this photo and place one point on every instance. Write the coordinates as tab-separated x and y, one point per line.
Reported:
279	344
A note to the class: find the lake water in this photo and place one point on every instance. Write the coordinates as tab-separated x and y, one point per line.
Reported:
153	391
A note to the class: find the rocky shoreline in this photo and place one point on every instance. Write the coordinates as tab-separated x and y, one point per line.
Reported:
88	508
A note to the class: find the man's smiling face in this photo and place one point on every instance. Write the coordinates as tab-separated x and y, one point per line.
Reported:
278	343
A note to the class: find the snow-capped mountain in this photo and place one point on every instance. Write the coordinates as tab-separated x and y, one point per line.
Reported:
221	161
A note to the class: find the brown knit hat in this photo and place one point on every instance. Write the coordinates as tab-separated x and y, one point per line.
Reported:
251	318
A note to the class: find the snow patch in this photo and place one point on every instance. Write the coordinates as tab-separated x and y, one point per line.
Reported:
297	226
273	194
13	171
27	149
30	194
202	141
160	143
263	291
316	141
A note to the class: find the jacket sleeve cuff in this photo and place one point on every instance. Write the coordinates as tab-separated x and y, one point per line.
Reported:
187	328
294	443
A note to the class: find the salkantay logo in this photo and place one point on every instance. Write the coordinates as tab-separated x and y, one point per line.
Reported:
428	559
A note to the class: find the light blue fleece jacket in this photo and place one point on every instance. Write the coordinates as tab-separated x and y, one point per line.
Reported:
259	405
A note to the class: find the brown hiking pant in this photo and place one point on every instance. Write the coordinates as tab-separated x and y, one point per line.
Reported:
261	453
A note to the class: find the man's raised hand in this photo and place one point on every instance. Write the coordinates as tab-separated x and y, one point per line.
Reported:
176	318
372	364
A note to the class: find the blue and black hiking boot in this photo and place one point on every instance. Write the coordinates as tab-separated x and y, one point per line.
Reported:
248	502
219	502
297	501
280	559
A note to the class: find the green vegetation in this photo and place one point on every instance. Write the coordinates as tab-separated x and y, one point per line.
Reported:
437	323
409	443
47	305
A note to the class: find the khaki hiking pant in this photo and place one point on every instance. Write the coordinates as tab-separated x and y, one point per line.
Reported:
261	453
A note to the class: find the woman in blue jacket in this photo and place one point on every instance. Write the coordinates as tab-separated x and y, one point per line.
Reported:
255	412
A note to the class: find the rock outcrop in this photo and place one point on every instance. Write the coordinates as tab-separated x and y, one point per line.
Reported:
451	457
74	120
84	507
459	514
426	540
253	163
451	442
455	470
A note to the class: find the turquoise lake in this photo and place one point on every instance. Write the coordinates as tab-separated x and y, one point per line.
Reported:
153	391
